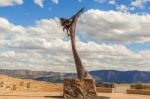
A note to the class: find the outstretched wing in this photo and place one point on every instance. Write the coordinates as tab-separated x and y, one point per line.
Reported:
78	13
75	17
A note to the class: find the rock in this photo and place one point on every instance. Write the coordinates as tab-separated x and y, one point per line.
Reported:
90	87
75	88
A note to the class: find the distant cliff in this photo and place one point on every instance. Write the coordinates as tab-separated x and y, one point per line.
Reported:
36	75
122	76
111	76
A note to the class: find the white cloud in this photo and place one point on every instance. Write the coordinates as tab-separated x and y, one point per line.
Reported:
58	57
100	1
20	36
8	29
55	1
39	2
115	26
80	0
113	2
139	3
42	47
7	54
122	8
4	3
131	8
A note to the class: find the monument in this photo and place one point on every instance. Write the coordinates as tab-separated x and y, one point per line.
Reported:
84	85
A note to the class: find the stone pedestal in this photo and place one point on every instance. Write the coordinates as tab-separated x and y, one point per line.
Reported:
75	88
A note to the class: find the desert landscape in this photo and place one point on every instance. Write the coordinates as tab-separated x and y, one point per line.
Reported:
74	49
15	88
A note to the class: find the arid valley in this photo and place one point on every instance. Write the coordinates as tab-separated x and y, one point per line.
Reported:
74	49
14	88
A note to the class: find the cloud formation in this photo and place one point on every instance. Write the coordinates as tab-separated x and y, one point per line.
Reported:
115	26
44	46
39	2
113	2
4	3
139	3
55	1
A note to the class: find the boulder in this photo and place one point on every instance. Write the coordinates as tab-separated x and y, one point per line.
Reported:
75	88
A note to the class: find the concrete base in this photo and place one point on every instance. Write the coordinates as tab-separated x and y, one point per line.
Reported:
75	88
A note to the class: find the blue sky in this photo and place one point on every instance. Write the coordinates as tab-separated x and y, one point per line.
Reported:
27	13
117	31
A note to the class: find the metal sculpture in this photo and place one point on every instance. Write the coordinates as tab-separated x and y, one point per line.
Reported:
70	26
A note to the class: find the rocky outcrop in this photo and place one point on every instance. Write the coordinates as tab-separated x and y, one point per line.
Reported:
75	88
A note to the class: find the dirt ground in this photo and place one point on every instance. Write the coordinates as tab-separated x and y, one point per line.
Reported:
124	96
14	88
121	88
58	95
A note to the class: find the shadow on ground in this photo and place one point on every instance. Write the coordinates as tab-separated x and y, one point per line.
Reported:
61	97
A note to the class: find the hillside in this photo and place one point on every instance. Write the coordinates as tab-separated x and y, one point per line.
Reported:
9	84
122	76
53	76
111	76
